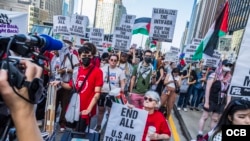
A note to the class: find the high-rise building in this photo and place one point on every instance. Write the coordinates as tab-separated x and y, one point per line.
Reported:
191	24
184	36
54	7
68	7
108	14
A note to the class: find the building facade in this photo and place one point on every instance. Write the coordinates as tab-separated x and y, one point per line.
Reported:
54	7
108	14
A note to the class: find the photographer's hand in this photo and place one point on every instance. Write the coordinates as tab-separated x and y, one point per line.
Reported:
21	111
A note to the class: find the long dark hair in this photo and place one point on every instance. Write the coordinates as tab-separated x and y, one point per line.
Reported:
234	106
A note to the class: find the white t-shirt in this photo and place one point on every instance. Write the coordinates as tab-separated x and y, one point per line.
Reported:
115	75
67	65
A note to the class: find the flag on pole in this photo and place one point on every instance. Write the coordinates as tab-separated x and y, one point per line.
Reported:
218	29
153	44
142	26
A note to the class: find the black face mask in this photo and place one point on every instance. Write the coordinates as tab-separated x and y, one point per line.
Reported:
86	61
148	60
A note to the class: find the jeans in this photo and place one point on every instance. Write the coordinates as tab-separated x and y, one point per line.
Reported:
195	99
181	100
189	93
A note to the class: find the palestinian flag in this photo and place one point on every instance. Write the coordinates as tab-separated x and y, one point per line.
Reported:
153	44
141	26
210	41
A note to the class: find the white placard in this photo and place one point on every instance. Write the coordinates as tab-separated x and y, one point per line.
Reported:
12	23
61	24
78	24
212	61
174	50
125	124
96	36
123	33
163	24
240	84
171	57
225	43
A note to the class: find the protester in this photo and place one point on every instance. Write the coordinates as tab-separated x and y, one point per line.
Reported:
159	76
22	112
90	92
168	98
113	77
155	118
215	95
95	60
141	80
236	113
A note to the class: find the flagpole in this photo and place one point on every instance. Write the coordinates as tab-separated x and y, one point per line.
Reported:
141	41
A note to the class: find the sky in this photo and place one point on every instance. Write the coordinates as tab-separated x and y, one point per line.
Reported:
143	8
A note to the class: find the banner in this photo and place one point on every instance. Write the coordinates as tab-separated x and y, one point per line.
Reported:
96	36
12	23
61	24
240	84
171	57
163	24
78	25
123	33
125	124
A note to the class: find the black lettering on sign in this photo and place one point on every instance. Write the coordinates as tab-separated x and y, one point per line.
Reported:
164	17
129	137
246	81
108	138
130	113
4	19
126	122
78	21
61	20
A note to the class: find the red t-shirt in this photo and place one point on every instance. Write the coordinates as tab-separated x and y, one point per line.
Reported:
87	92
159	122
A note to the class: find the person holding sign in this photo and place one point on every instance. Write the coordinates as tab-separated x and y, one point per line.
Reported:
156	127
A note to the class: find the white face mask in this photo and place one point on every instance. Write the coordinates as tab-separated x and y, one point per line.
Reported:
226	69
192	68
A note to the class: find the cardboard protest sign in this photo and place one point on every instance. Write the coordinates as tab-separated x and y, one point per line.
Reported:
96	36
163	24
123	33
78	24
212	61
12	23
61	24
240	84
123	123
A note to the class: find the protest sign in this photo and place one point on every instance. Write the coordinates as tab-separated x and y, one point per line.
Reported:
12	23
240	84
174	50
123	33
163	24
78	24
225	43
123	123
171	57
61	24
212	61
196	41
189	50
96	36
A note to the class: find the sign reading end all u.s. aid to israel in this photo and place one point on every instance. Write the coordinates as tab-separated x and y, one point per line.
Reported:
240	84
125	124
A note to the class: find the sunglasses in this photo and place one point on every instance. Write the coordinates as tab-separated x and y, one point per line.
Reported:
149	99
227	65
113	60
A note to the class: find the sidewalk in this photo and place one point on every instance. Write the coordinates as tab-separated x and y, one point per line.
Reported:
189	122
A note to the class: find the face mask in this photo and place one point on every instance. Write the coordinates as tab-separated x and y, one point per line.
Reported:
193	68
86	61
148	60
226	69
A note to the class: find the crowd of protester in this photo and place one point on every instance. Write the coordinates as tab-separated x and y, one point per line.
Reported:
147	81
